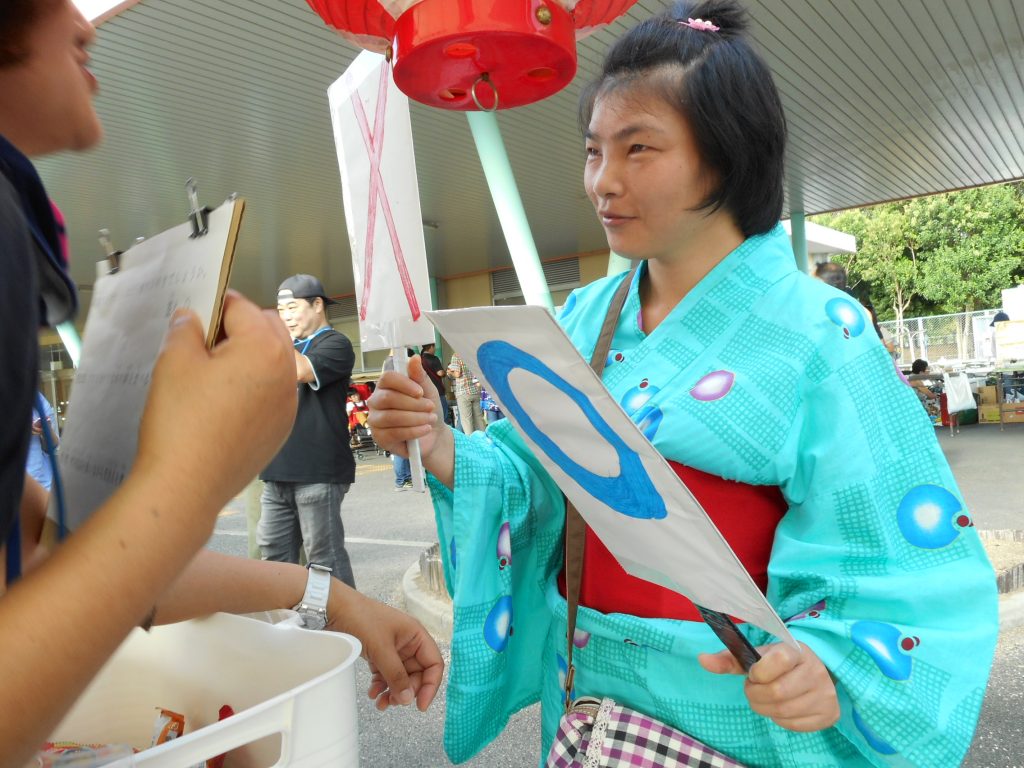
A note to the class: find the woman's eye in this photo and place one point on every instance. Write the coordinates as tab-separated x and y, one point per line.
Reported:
592	151
637	148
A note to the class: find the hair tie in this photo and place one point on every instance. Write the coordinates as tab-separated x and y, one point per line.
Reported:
700	25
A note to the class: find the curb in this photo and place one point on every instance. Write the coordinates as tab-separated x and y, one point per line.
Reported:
1008	579
1011	611
433	611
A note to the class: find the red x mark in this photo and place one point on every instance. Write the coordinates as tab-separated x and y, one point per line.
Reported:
374	141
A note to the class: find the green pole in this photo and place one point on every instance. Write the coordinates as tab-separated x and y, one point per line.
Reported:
72	343
798	237
617	264
509	205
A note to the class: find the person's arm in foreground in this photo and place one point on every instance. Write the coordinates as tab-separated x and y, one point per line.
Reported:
403	658
406	408
61	622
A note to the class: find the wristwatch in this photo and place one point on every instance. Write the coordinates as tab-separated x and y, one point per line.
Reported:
312	608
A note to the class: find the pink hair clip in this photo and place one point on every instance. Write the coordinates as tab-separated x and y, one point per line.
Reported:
700	25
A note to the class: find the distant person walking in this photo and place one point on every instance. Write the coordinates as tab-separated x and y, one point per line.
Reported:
308	479
401	464
38	465
467	396
435	370
835	275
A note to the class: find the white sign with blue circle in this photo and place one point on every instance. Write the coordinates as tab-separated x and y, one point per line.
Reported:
622	486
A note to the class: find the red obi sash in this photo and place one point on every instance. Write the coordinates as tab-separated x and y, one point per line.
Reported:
747	516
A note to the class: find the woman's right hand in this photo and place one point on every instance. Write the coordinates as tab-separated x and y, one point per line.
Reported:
214	418
406	408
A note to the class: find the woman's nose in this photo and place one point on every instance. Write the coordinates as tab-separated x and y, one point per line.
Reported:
606	180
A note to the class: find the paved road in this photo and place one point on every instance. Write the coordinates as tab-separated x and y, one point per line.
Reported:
986	462
387	530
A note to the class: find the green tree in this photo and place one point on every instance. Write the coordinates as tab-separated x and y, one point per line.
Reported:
975	245
951	252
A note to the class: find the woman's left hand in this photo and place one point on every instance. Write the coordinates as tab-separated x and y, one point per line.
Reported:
792	688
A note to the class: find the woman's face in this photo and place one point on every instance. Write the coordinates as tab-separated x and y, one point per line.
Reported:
644	175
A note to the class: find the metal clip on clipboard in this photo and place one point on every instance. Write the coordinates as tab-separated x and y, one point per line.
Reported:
198	217
112	255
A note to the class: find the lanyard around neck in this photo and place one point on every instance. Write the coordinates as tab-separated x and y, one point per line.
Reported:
309	340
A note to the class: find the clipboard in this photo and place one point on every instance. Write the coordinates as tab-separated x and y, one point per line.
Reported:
186	266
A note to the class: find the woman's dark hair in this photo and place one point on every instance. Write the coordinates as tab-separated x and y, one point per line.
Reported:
832	273
17	17
919	366
724	89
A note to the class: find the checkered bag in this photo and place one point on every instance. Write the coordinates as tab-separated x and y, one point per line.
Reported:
594	734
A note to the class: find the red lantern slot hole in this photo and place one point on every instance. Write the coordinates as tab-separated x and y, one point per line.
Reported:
461	50
452	94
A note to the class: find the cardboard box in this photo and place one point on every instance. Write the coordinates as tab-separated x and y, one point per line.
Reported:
988	414
989	395
1012	413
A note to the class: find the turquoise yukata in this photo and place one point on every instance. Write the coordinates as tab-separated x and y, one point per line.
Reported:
764	376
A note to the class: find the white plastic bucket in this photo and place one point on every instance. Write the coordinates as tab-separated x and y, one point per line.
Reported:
278	679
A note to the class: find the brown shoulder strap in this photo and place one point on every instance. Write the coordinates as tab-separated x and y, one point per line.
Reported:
575	527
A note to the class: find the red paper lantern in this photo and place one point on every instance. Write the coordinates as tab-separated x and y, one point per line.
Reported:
470	54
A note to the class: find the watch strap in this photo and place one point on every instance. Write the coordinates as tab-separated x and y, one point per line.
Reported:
318	590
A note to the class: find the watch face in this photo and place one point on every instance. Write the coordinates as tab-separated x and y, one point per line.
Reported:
312	621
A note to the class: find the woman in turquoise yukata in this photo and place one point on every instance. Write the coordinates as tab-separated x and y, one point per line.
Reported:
770	396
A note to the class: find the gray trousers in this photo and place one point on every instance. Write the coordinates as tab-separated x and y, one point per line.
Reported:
470	416
308	514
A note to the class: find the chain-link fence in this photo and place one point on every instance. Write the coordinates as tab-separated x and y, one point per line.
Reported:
964	337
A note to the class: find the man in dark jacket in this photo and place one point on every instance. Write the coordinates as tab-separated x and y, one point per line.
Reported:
308	479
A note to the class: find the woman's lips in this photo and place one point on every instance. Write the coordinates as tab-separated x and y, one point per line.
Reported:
614	219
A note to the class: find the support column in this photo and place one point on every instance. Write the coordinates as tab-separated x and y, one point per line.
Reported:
509	205
72	342
434	304
799	240
617	264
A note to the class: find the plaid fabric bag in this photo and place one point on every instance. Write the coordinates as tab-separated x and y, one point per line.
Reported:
594	734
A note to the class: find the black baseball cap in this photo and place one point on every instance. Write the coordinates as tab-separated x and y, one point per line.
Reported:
999	318
303	287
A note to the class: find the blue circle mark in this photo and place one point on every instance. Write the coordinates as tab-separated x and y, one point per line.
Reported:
882	643
631	492
927	517
846	315
498	624
872	738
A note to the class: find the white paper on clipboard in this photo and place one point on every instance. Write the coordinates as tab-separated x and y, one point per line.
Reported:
623	488
124	331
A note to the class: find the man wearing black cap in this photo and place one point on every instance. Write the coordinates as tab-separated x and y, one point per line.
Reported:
309	477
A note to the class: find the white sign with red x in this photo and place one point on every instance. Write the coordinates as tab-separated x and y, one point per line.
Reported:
373	133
